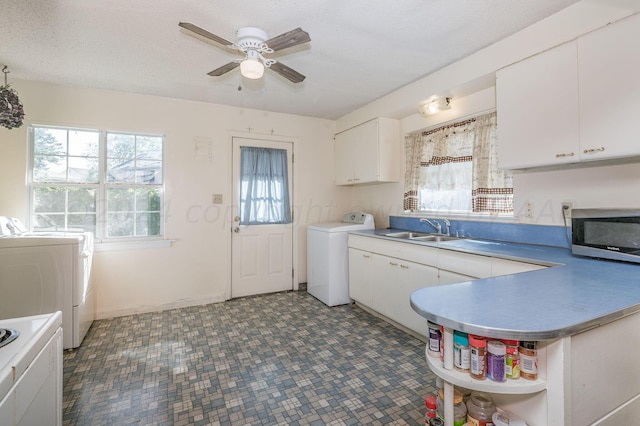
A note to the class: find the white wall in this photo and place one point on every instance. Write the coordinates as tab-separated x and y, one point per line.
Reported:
197	268
471	83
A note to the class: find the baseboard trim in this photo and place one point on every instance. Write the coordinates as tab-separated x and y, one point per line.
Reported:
392	322
184	303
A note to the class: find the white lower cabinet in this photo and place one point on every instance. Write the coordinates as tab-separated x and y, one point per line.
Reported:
393	282
472	265
508	267
360	276
383	274
448	277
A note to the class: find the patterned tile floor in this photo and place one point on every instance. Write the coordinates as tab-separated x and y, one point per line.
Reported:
279	359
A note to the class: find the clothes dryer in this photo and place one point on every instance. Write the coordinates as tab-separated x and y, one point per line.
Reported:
42	273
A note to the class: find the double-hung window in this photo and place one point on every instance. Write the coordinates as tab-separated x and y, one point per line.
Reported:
454	169
106	182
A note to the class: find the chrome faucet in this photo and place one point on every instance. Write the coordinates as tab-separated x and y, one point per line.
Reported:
433	224
447	225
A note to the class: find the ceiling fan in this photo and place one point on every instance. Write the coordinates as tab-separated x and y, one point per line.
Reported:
254	42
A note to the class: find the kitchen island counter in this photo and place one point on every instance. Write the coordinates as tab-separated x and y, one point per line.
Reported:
572	295
578	310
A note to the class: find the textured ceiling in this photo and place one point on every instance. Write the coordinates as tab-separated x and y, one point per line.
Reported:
360	50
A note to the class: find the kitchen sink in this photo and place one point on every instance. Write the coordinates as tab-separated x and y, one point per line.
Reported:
420	236
436	238
406	235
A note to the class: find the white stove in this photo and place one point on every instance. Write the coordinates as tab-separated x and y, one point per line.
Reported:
31	371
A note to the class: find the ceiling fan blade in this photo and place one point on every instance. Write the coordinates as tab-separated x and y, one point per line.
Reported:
204	33
288	39
224	69
288	73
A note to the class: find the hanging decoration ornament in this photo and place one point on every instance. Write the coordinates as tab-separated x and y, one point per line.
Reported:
11	109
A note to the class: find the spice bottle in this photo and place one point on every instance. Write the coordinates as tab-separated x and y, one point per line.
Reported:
528	360
461	353
478	351
496	354
430	401
459	408
480	408
512	361
436	422
434	340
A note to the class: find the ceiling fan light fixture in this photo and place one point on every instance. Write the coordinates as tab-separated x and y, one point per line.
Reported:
252	68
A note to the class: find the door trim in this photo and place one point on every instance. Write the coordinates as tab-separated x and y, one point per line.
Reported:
294	196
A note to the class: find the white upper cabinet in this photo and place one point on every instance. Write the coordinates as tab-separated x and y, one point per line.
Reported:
369	152
609	81
575	102
537	102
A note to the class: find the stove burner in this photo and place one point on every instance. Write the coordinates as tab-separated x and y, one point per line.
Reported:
7	335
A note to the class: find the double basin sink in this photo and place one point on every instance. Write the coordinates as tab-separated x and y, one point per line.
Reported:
420	236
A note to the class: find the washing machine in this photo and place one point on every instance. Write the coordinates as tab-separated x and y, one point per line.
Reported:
47	272
328	257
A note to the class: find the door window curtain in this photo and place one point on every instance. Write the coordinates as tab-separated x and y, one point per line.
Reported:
264	192
454	168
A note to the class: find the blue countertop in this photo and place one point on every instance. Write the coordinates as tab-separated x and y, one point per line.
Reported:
569	297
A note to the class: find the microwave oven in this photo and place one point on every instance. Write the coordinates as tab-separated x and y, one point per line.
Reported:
606	233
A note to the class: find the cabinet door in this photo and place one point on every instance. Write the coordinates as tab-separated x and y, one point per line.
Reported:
393	282
472	265
609	67
365	155
508	267
343	148
384	284
360	276
537	103
412	277
448	277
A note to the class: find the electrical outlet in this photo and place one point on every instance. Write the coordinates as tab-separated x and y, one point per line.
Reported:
528	209
567	206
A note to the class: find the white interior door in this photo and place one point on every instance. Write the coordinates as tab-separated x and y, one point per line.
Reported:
261	255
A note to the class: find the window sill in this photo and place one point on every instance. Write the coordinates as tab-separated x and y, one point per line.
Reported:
132	245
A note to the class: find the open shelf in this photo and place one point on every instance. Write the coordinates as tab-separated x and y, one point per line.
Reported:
520	386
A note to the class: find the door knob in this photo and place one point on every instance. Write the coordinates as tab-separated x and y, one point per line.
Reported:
236	219
236	229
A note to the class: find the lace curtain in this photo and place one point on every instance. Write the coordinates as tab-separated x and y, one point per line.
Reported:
264	191
454	168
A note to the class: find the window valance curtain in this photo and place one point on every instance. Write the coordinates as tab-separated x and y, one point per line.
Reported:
434	161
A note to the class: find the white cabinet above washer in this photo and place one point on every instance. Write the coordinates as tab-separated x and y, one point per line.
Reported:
369	152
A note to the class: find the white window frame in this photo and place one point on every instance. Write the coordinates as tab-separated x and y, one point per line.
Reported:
101	187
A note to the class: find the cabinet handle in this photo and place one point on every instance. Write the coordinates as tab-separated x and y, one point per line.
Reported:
562	155
393	264
404	266
593	150
366	256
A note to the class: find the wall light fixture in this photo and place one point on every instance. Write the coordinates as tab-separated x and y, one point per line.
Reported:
434	106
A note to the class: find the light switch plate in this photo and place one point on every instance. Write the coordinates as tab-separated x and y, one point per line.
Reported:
216	199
